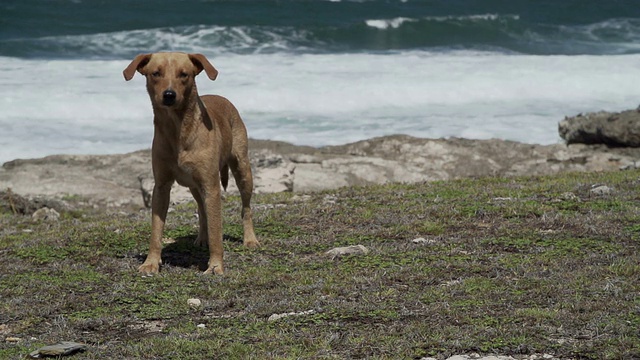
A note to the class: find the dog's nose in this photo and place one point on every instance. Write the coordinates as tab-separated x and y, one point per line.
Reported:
168	97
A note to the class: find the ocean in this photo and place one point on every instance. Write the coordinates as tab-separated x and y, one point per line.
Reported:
316	72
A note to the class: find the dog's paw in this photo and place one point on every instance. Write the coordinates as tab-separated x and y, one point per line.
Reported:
149	268
251	243
201	241
216	269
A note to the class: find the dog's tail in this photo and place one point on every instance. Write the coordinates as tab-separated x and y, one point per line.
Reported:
224	176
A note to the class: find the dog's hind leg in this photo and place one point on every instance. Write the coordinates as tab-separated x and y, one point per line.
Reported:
241	169
212	206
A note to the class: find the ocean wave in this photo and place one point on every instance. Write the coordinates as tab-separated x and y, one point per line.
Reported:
201	38
609	37
395	23
485	32
508	32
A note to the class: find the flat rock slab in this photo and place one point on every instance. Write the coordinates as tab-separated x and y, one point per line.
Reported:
126	179
62	348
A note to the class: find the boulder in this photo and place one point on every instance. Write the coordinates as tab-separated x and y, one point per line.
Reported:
609	128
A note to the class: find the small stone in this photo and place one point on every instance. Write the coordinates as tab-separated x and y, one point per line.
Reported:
166	241
45	214
194	302
569	196
548	231
201	326
330	199
275	317
300	198
601	190
423	241
347	250
451	283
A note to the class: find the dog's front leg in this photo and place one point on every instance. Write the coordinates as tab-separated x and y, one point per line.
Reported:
203	238
213	208
159	207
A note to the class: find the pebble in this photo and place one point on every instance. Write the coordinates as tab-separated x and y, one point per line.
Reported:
476	356
330	199
423	241
347	250
194	302
275	317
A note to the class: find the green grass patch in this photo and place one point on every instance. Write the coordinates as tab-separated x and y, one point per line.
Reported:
513	266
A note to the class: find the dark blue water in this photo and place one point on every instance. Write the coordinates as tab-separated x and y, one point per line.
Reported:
118	29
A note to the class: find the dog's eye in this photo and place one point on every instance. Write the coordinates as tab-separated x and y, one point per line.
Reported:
155	73
184	75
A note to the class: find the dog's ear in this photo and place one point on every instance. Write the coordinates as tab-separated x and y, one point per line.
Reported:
202	63
138	63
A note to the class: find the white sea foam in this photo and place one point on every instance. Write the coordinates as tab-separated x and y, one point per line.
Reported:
392	23
78	106
384	24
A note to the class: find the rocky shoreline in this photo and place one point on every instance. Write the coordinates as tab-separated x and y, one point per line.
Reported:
126	179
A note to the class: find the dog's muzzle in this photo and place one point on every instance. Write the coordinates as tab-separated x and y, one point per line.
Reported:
168	97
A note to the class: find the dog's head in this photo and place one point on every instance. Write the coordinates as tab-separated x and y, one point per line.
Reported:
170	76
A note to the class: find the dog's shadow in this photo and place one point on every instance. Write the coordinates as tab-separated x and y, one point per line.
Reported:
184	253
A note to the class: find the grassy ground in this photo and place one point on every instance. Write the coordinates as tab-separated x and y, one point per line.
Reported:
511	266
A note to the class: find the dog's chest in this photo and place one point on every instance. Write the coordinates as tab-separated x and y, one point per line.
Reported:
185	169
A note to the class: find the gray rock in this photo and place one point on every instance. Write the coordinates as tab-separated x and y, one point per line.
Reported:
423	241
194	303
478	357
126	180
45	214
610	128
601	190
275	317
62	348
347	250
110	180
17	204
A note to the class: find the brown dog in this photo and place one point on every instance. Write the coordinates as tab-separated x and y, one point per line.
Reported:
196	140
